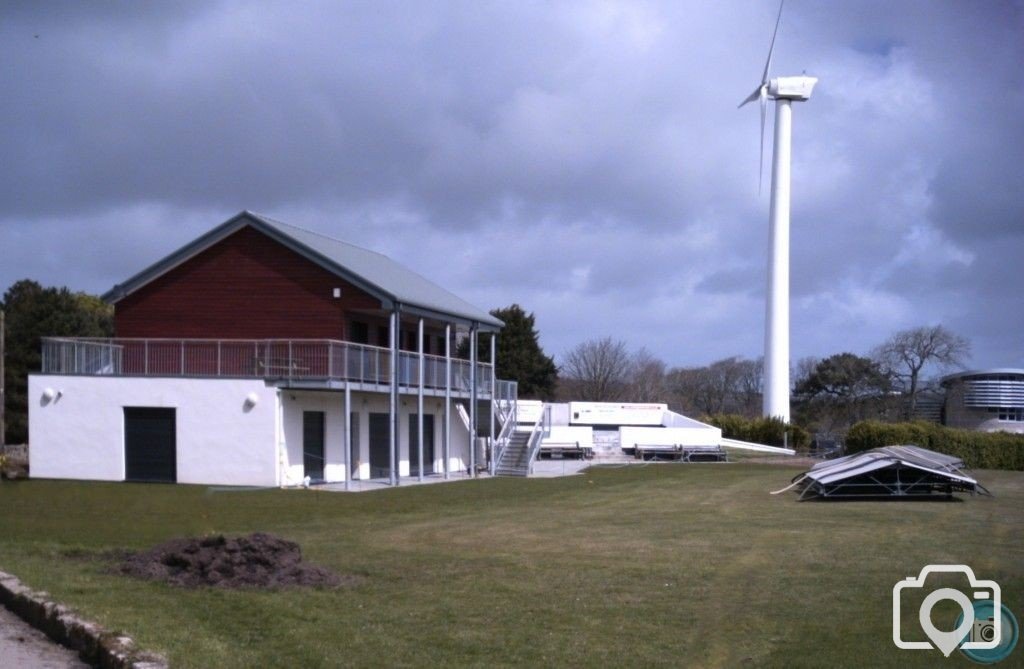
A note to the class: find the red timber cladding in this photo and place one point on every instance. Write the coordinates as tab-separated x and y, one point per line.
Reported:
246	286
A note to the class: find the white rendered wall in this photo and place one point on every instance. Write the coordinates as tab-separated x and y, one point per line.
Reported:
629	437
294	404
528	411
336	425
615	413
568	434
80	434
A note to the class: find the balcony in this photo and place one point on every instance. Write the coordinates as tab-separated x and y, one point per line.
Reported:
291	362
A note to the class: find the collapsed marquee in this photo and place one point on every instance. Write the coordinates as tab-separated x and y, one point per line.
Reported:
891	471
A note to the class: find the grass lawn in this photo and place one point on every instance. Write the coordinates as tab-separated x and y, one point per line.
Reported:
674	565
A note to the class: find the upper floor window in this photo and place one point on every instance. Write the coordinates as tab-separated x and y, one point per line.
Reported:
359	333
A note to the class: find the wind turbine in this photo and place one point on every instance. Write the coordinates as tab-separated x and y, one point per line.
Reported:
784	90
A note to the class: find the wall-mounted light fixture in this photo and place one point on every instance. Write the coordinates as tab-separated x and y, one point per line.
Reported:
50	395
337	293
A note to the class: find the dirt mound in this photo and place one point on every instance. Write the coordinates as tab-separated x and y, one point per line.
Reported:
253	561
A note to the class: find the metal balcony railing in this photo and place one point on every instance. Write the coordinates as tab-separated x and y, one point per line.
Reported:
287	359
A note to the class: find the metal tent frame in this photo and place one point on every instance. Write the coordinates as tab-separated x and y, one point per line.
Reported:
906	472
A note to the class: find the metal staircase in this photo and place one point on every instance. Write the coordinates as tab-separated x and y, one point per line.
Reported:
520	448
515	457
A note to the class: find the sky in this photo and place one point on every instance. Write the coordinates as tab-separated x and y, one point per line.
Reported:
585	160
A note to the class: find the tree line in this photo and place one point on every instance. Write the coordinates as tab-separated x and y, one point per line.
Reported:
829	394
31	313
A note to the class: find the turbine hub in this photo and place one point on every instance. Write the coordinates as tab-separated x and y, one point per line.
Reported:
792	88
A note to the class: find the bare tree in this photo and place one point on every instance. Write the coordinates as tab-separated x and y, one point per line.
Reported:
727	385
907	352
803	370
648	378
749	387
598	370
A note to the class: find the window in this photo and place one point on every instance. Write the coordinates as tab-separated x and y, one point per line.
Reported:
358	332
382	336
1014	415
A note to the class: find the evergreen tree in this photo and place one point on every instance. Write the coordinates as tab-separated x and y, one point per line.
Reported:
519	357
34	312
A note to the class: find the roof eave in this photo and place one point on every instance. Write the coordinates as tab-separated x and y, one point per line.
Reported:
169	262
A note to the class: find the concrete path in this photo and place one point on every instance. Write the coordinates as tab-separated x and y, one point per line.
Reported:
25	647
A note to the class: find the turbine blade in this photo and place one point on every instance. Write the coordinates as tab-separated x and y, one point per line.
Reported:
760	164
753	96
771	48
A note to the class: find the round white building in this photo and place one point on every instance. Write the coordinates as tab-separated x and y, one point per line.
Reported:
989	399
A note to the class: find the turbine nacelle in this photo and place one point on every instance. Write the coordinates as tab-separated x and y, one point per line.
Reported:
791	88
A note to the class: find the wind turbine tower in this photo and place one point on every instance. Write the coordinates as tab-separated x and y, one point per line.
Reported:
784	91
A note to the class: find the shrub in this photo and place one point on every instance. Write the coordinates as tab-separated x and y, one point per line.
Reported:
760	430
978	450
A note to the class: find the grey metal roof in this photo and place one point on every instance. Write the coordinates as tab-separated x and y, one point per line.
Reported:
880	472
908	454
994	371
373	272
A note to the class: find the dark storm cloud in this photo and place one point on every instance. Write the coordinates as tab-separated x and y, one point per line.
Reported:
584	159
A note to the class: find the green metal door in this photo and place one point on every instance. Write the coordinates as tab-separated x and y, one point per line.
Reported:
313	444
428	444
150	451
380	445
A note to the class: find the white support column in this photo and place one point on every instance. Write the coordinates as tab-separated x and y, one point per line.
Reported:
776	343
472	399
394	442
494	386
347	459
419	402
447	398
279	444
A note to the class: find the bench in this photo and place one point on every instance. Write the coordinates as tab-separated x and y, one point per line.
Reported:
680	452
563	448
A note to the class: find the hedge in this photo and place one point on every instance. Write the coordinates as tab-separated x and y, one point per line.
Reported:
759	430
978	450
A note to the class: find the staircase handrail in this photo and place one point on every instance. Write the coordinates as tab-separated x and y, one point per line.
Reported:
463	414
508	427
541	429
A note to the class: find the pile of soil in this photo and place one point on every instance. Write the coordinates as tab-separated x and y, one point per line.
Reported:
253	561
